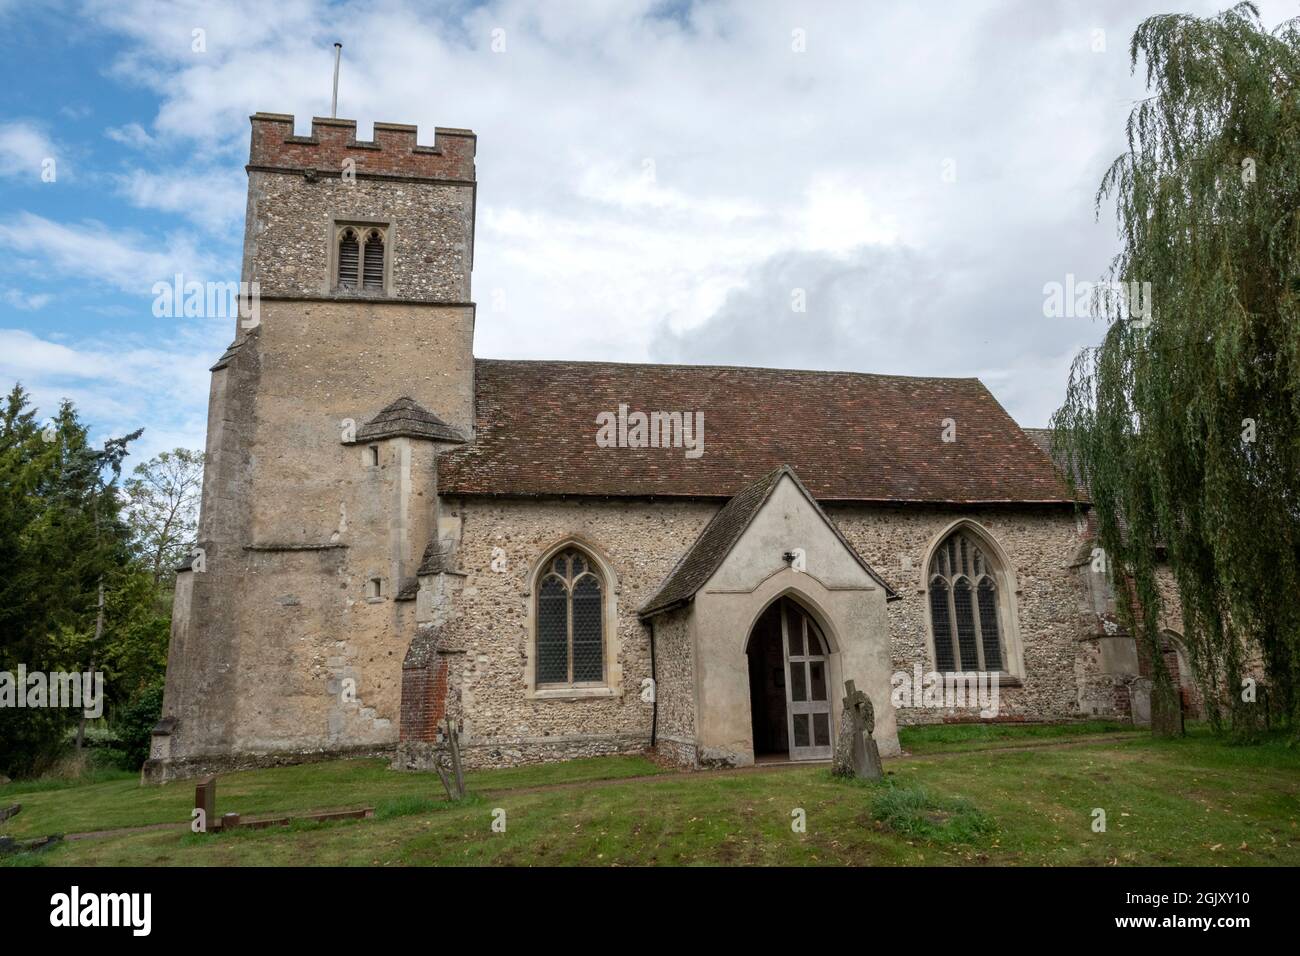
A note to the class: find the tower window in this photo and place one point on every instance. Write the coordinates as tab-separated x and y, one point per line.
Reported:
349	253
359	260
372	275
375	588
372	456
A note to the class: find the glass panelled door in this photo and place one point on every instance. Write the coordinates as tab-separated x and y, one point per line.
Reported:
807	689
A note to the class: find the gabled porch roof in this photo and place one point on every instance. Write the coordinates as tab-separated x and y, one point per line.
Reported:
720	535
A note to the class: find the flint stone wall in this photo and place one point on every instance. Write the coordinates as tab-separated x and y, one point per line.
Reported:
642	540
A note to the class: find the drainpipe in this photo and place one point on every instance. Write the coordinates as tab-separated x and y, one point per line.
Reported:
654	682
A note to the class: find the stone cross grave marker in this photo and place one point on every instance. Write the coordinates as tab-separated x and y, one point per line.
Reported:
856	753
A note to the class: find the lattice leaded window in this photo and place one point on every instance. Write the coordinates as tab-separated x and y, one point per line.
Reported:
964	607
570	622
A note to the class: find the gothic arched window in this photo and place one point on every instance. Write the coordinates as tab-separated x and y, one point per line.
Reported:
359	260
966	616
372	272
570	622
349	257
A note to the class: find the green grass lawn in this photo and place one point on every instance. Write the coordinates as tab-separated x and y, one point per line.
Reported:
1192	801
120	801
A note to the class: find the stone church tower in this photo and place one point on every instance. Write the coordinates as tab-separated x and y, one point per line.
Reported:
325	415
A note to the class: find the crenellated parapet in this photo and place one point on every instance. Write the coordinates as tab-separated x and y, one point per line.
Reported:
333	148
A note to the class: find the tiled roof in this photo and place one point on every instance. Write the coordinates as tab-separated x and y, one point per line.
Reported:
852	436
406	417
720	536
1042	437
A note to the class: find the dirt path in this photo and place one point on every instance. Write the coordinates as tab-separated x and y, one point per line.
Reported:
678	775
1039	745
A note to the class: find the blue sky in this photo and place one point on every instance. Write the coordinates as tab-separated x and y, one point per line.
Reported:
655	179
83	250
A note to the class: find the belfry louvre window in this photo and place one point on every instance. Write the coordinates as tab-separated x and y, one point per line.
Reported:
965	613
372	274
349	255
359	262
570	622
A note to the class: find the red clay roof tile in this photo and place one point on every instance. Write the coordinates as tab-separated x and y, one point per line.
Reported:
851	436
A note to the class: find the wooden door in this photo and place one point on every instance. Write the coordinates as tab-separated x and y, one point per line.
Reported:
807	686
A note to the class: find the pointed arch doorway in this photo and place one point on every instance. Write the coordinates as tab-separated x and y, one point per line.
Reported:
789	684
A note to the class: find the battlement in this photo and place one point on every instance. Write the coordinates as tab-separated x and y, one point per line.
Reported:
393	152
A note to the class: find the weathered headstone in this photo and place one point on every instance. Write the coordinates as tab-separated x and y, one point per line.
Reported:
205	799
856	753
1139	701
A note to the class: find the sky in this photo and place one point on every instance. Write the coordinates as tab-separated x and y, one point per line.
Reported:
864	186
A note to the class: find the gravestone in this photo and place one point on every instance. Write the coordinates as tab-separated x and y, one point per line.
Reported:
205	799
1139	702
856	753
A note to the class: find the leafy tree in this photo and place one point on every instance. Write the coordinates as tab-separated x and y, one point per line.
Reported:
1185	423
162	509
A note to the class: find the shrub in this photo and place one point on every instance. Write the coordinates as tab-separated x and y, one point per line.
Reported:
913	811
410	804
31	740
135	723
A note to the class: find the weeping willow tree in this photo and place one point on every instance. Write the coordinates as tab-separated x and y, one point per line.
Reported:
1185	421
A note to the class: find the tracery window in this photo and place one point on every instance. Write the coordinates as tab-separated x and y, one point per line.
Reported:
372	271
966	617
570	622
359	263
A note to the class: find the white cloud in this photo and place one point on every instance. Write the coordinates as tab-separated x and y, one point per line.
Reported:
123	260
212	199
131	134
24	151
121	382
839	216
27	301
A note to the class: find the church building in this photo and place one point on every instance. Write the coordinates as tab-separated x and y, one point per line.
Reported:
584	558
